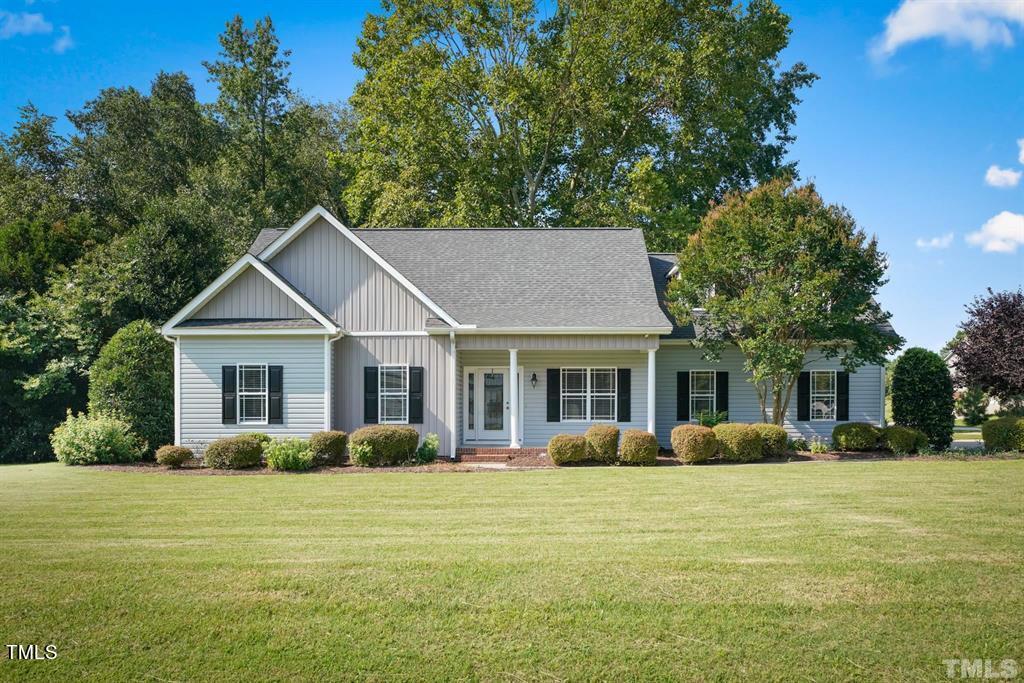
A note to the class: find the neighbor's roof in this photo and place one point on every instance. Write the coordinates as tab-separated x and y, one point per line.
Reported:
252	323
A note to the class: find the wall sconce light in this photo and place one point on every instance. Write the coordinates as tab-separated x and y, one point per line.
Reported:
533	380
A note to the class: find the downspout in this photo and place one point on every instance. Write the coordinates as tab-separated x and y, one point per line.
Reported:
177	388
329	379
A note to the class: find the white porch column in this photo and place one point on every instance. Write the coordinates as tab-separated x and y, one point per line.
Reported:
513	397
650	390
453	378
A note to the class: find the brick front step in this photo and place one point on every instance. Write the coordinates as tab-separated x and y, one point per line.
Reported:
494	454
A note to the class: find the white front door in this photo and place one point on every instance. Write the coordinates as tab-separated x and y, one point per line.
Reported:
487	404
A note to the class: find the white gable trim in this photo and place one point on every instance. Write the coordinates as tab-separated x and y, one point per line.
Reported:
236	269
320	212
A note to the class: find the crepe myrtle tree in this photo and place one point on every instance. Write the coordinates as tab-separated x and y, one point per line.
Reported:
778	272
988	351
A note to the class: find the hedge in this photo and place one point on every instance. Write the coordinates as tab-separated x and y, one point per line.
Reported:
173	456
233	453
1004	434
856	436
694	443
773	439
903	440
638	448
738	442
96	439
567	448
922	395
328	448
602	443
383	445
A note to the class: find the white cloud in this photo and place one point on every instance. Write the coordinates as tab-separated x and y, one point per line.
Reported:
979	23
941	242
1002	177
1020	154
1002	233
22	24
65	43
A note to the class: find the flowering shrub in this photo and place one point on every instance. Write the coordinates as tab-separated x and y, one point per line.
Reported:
95	439
289	454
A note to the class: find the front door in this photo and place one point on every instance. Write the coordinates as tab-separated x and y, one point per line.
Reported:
487	404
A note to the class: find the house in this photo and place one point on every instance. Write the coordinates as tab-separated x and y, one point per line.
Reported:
486	337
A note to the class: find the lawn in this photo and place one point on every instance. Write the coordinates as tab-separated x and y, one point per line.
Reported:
810	571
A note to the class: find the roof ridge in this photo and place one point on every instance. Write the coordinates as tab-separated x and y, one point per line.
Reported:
496	229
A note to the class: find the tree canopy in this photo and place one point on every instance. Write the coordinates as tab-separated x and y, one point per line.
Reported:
988	351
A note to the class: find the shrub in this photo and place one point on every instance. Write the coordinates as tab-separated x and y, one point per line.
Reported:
360	453
856	436
602	443
694	443
95	439
289	454
173	456
133	378
798	444
427	452
328	448
903	440
973	405
818	446
388	445
566	448
233	453
1004	434
638	448
738	442
922	396
773	439
263	439
711	419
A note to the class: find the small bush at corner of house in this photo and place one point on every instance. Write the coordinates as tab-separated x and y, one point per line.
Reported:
738	442
602	443
638	448
567	448
694	443
856	436
233	453
96	439
383	445
1004	434
903	440
773	439
173	456
428	450
289	455
328	448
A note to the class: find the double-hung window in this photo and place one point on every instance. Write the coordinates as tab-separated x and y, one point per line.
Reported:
252	394
823	394
702	393
588	394
393	395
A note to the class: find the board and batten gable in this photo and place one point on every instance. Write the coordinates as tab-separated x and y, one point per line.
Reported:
358	294
250	295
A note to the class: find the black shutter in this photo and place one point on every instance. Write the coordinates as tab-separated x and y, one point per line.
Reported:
843	396
416	395
275	394
722	391
370	394
623	395
228	378
683	396
554	395
803	397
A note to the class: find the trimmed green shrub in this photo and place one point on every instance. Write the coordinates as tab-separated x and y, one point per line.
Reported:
96	439
818	446
694	443
360	453
602	443
903	440
427	452
973	405
711	419
798	444
856	436
388	445
922	396
289	454
738	442
262	438
173	456
328	448
233	453
1004	434
773	439
638	448
567	448
133	378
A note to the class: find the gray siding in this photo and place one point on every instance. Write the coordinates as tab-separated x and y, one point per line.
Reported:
201	361
556	342
251	295
352	354
347	284
865	391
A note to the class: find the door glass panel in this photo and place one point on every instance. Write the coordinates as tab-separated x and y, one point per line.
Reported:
471	402
494	401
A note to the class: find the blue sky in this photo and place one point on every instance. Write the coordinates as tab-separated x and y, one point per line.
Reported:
918	101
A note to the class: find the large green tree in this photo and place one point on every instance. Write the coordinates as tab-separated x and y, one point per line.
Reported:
780	273
624	112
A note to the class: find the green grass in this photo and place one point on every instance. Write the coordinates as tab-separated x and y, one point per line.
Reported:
811	571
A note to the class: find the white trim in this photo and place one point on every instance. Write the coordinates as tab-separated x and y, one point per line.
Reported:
387	333
285	287
468	407
320	212
381	395
513	397
265	393
835	396
327	384
177	393
452	394
650	390
244	332
565	330
588	394
714	392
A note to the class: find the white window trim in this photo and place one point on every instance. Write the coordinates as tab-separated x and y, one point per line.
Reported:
834	394
392	393
265	393
588	394
694	416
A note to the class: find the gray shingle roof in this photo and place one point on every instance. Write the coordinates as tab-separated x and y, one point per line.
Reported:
253	323
263	240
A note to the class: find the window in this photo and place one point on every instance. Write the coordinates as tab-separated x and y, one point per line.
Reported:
252	394
823	394
588	394
702	393
393	395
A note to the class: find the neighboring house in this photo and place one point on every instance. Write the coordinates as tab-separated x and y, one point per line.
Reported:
322	327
